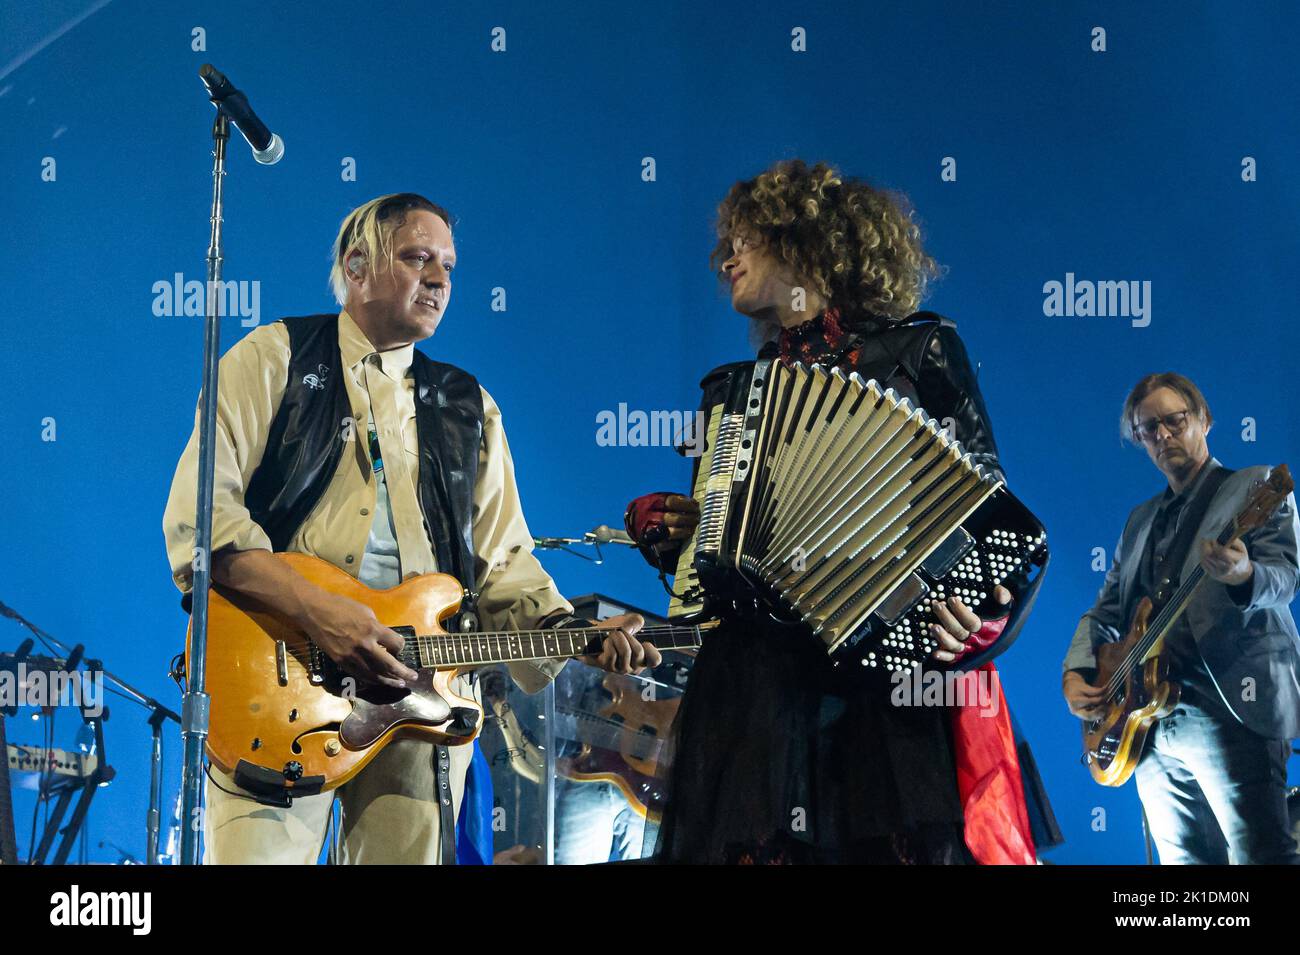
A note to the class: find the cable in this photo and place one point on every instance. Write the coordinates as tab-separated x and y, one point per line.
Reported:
207	769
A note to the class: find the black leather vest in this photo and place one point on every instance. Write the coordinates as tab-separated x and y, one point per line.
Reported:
308	436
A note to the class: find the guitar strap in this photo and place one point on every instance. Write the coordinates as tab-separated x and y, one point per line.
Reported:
1191	523
446	811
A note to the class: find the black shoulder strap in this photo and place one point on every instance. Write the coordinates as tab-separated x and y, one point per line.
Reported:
1196	509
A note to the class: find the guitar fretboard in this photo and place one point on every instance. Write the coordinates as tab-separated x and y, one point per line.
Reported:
444	651
1164	620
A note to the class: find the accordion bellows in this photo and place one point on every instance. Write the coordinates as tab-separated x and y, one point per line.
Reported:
827	500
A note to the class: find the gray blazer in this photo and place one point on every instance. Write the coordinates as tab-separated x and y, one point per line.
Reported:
1251	649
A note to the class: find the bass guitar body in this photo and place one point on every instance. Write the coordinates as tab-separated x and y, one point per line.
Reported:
1113	742
284	717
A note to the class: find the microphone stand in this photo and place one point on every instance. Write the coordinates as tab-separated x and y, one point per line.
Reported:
195	703
594	538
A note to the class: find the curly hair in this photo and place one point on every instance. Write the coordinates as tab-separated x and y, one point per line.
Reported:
860	246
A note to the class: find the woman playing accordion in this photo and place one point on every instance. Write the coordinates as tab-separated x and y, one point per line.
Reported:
778	756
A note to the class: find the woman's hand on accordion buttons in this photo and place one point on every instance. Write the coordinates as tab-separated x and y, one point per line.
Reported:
956	623
622	652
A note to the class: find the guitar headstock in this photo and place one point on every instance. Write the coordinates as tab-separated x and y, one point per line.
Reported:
1264	499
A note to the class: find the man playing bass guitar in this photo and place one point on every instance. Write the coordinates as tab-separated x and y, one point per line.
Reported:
1212	778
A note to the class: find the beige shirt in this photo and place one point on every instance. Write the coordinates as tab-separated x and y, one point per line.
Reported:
515	592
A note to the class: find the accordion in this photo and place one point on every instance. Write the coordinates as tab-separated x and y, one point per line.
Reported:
829	502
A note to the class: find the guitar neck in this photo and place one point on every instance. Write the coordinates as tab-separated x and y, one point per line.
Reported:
448	650
1174	607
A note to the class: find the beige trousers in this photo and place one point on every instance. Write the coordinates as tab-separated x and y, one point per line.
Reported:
390	814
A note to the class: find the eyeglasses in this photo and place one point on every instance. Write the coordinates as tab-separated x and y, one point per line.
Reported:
1174	423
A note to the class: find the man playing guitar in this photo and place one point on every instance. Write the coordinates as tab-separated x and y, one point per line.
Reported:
337	439
1213	777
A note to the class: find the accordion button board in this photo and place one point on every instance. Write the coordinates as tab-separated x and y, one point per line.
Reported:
827	500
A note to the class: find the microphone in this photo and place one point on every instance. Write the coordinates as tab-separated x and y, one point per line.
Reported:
21	654
74	658
604	534
267	146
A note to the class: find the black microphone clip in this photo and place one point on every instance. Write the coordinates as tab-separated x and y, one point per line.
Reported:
267	146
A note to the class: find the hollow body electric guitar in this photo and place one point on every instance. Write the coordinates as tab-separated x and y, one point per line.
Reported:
1134	671
287	721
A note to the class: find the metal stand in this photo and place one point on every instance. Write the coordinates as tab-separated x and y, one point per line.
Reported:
103	774
153	821
548	774
1146	838
194	707
158	714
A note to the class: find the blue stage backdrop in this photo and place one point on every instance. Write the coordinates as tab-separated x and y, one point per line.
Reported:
583	150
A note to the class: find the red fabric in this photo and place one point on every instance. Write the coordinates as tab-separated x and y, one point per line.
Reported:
645	513
984	637
644	522
988	775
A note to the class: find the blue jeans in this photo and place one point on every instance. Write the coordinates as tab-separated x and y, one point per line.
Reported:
595	823
1215	792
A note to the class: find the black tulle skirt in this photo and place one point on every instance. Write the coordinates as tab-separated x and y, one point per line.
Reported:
777	757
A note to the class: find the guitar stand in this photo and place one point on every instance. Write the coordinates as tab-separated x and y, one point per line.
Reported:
103	774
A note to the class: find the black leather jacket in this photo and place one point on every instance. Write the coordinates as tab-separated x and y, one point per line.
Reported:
924	360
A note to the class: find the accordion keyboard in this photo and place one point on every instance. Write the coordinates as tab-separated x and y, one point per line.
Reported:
827	500
861	509
688	595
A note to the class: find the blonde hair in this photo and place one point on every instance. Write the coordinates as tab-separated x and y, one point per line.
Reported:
368	231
